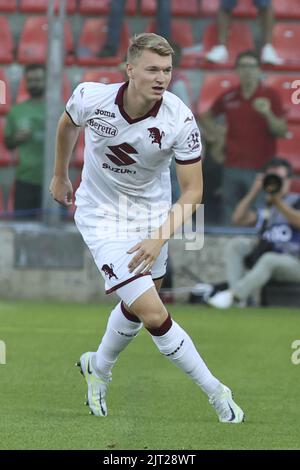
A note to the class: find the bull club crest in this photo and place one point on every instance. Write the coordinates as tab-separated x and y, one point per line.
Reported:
156	135
109	271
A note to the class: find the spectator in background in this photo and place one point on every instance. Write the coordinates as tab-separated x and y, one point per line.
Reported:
219	53
116	18
254	119
277	253
25	131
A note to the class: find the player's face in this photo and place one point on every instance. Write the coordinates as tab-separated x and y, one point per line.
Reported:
150	74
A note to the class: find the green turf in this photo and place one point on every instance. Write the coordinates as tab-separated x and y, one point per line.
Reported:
152	405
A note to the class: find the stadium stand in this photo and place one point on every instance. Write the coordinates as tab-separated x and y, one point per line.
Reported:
5	102
182	34
244	8
33	41
178	8
287	9
103	76
8	6
283	9
40	6
240	38
283	84
289	147
92	38
6	42
213	85
286	40
101	7
295	185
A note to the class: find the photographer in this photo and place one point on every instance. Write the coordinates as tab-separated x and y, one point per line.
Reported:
276	253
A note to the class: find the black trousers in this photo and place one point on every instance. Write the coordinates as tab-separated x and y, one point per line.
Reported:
28	199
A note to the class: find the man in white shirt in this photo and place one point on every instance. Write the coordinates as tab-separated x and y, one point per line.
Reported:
132	131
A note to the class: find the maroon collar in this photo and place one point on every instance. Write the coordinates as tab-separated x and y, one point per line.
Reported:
119	101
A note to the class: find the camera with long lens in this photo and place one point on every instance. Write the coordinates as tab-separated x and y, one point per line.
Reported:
272	183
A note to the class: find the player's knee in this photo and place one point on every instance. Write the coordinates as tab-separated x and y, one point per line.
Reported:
269	260
153	317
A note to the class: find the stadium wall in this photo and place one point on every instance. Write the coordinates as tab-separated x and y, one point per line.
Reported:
54	264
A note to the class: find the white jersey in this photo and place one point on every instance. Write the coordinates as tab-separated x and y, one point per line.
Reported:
126	158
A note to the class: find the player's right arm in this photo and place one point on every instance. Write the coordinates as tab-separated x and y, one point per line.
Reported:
66	138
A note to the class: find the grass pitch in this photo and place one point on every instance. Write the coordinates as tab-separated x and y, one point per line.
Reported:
152	404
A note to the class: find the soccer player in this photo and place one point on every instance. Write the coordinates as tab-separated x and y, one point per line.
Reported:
132	131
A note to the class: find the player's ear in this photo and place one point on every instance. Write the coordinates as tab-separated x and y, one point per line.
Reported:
130	71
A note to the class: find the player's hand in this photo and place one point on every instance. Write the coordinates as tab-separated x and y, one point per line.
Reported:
257	184
147	252
262	105
61	190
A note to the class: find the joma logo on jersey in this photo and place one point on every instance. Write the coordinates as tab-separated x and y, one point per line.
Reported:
102	127
156	135
105	113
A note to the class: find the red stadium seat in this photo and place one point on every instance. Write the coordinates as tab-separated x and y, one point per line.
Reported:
289	147
5	96
6	42
286	40
8	6
283	84
295	185
287	9
101	7
239	39
103	76
182	34
213	86
40	6
244	8
22	94
5	155
178	8
33	41
92	38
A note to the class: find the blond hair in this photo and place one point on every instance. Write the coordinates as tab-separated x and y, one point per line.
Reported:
148	41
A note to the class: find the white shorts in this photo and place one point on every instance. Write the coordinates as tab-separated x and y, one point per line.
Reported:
112	260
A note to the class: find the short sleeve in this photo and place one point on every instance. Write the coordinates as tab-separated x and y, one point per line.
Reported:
187	146
75	106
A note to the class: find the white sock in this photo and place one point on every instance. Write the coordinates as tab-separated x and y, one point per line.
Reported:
119	333
177	345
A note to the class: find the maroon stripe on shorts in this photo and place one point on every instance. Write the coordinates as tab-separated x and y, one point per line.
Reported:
163	329
112	289
129	315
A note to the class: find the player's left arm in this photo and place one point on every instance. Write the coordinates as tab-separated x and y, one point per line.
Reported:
191	185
